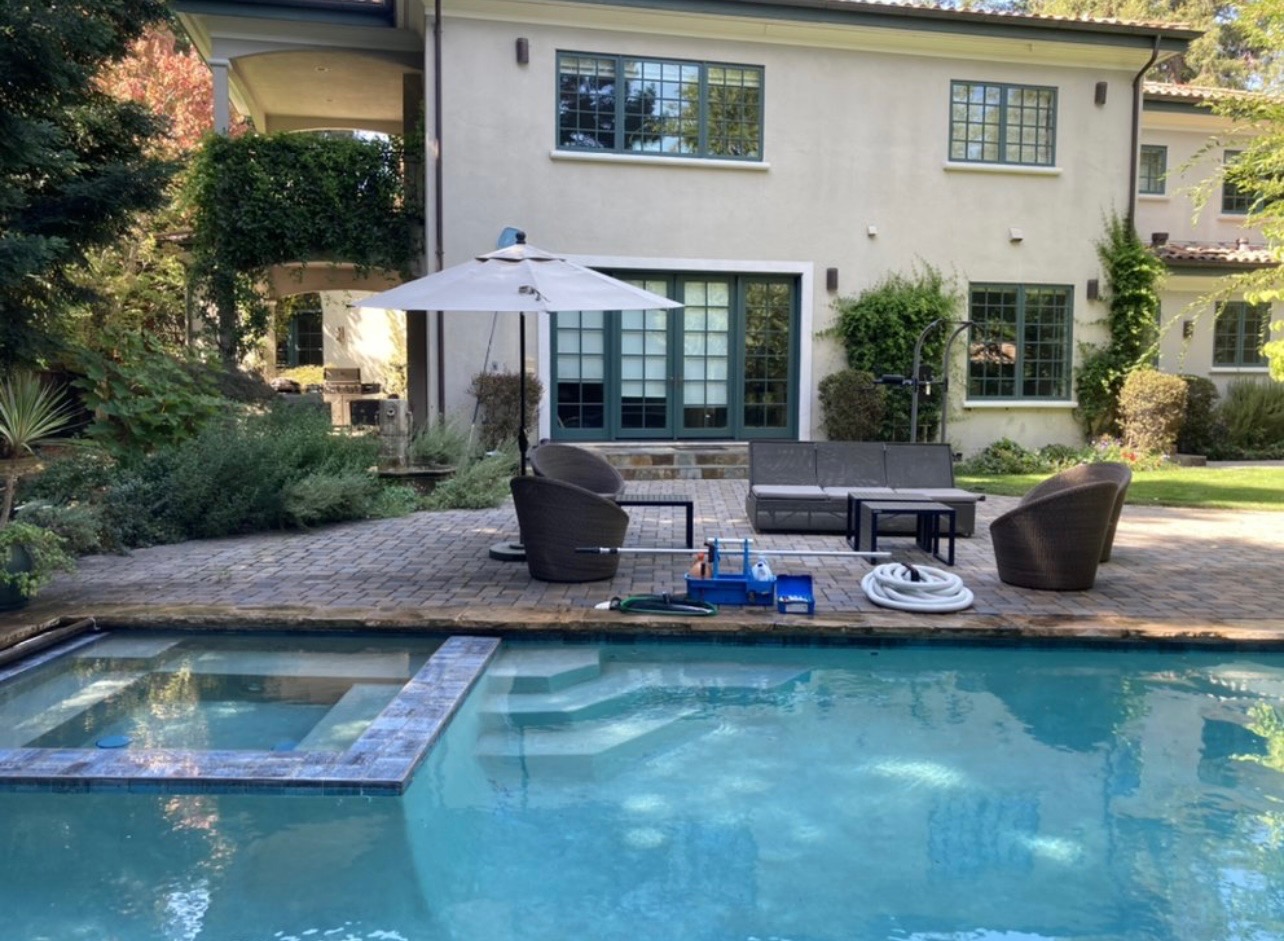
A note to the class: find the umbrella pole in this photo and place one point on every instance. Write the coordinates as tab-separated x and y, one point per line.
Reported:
522	441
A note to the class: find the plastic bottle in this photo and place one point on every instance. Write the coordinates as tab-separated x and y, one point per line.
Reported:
762	571
700	567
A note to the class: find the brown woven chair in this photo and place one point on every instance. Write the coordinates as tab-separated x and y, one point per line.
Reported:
1054	540
1119	474
555	519
577	466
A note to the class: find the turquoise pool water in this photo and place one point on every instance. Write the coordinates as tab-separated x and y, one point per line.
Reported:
687	791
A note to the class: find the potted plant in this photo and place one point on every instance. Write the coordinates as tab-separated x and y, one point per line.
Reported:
30	415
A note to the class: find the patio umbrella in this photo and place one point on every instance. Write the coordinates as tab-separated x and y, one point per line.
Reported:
519	278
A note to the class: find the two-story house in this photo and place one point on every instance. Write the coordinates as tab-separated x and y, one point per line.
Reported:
755	159
1195	223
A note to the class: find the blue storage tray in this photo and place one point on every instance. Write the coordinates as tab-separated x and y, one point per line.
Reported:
731	589
794	590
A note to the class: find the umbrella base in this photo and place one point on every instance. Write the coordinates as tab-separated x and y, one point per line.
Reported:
508	552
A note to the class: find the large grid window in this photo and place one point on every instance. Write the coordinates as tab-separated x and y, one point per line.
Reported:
1019	347
1235	201
991	123
1153	167
618	104
1239	332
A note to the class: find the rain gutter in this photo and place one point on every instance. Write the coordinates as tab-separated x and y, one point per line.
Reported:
439	218
1138	84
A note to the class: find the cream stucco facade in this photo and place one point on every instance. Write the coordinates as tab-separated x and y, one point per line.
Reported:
1201	242
854	181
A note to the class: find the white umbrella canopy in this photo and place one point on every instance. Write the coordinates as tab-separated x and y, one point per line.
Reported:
518	278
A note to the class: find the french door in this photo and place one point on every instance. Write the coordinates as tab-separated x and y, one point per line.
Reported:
722	366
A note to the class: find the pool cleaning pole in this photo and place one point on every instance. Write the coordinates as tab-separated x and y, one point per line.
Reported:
612	550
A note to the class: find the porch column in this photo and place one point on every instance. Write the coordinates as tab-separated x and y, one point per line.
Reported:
222	95
417	358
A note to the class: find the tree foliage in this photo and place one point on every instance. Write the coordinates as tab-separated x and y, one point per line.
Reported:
74	162
1232	53
264	200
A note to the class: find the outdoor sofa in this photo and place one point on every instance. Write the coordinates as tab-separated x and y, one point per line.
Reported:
802	486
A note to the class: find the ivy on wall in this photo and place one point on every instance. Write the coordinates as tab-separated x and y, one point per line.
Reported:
1133	275
264	200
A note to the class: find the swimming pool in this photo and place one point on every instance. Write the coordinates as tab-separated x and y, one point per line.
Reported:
694	791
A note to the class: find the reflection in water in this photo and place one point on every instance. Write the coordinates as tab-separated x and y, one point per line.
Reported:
817	794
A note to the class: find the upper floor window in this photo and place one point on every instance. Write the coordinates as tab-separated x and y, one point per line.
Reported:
1239	332
618	104
1154	168
1235	201
1019	347
993	123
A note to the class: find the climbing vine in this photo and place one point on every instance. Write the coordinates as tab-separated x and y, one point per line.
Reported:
264	200
1132	290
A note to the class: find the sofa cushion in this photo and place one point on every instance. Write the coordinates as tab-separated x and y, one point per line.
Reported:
782	462
942	494
850	464
916	466
863	493
787	492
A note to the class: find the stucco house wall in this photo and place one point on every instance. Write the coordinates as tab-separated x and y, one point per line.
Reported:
855	142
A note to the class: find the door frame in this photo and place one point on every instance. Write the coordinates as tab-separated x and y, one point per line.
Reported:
628	265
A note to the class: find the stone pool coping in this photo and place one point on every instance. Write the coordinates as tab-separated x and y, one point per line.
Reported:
381	762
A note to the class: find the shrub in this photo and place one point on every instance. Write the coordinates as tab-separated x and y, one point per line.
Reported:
328	497
1151	407
1199	427
497	394
78	475
79	525
1004	456
1106	448
478	485
441	444
852	406
141	396
879	329
1253	416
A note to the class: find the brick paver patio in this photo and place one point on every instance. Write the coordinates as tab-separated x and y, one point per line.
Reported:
1175	573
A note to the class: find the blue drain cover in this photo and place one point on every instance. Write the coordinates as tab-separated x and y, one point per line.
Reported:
113	741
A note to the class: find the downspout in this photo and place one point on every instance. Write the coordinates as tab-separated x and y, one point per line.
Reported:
1138	83
439	219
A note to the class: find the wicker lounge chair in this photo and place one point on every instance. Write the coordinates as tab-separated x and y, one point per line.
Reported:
1119	474
1053	541
577	466
555	519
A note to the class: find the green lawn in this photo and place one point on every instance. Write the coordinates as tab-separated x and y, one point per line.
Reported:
1230	488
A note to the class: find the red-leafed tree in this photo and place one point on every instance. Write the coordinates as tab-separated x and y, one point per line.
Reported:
168	77
140	283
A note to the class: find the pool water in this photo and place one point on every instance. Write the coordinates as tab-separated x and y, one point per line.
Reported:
166	690
688	791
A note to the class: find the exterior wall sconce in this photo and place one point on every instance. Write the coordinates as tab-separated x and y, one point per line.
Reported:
871	231
1099	96
1094	289
1187	329
1015	235
831	279
523	50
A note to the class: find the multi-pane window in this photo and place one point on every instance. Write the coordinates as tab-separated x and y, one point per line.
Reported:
1153	167
618	104
302	340
1235	201
1019	346
994	123
1239	332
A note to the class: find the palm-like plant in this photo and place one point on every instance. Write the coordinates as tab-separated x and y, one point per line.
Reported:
31	413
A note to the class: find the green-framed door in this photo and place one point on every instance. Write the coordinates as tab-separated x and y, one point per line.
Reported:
723	366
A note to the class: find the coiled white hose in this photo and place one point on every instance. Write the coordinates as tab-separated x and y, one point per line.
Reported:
915	588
